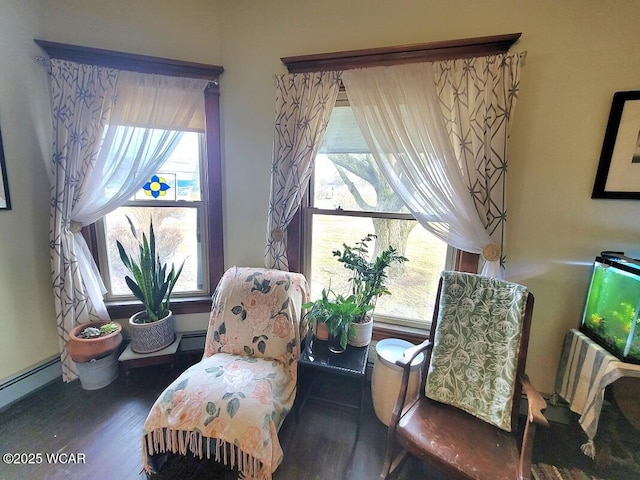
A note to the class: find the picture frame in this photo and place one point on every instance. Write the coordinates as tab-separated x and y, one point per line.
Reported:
5	199
618	174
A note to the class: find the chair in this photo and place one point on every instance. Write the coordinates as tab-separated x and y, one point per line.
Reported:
464	419
231	404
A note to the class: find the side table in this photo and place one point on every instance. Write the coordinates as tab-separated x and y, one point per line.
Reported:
130	359
585	370
352	363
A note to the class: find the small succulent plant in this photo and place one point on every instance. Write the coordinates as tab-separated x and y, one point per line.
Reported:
94	332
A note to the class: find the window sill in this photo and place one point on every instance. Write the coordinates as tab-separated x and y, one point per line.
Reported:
386	330
179	306
125	309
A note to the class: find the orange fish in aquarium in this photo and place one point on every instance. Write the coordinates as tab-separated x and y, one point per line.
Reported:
613	305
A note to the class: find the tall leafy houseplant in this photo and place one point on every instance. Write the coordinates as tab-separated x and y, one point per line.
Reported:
367	281
152	329
150	283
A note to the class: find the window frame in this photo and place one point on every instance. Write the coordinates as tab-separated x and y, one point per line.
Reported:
212	173
424	52
201	208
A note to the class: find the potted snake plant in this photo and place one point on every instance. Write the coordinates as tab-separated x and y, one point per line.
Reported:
153	328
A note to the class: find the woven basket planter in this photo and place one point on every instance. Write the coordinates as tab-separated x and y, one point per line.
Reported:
151	337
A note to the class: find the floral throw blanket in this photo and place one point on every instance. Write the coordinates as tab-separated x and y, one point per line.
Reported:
231	404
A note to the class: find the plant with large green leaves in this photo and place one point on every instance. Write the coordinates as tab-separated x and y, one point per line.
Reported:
338	312
151	283
367	281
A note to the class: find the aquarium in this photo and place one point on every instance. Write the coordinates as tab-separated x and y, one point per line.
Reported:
613	304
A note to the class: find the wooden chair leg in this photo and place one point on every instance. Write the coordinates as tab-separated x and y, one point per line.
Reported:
391	464
386	466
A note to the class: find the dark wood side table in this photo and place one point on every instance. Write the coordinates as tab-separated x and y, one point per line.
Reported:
352	363
168	355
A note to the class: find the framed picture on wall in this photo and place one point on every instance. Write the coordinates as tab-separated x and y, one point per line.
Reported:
5	201
618	174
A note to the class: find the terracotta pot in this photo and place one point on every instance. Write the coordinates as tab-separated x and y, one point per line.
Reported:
151	337
87	349
321	331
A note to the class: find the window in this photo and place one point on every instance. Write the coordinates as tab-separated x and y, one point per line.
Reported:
173	199
196	211
305	244
349	198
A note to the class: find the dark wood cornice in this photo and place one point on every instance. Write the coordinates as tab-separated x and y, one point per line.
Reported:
130	61
423	52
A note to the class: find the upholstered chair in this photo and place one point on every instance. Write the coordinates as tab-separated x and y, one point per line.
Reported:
231	404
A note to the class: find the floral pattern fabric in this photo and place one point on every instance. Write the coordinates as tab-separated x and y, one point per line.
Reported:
476	346
231	404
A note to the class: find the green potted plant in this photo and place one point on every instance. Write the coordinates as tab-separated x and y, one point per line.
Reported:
338	313
367	282
92	346
153	328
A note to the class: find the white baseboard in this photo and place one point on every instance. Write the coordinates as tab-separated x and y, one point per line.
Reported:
23	383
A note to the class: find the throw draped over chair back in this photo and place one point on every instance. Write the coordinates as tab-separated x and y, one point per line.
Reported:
231	404
464	421
257	312
476	346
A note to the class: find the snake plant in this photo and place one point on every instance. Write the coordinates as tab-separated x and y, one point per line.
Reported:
149	280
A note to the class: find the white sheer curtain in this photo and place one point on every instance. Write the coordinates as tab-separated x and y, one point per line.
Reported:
111	131
303	105
398	111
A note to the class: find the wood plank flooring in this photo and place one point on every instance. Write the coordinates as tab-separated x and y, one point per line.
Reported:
104	427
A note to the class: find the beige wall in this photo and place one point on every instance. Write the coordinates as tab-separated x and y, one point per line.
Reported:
579	53
27	320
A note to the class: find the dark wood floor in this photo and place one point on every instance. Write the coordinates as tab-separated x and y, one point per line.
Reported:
104	427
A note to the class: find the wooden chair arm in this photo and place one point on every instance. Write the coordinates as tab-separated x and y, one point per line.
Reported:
536	403
411	353
408	357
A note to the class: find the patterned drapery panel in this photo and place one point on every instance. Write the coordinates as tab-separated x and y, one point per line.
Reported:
398	111
112	130
478	97
82	96
303	104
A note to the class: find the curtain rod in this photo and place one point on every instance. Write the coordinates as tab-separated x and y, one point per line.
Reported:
422	52
130	61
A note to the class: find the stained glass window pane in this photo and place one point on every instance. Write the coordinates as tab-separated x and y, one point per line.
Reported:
179	177
161	186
